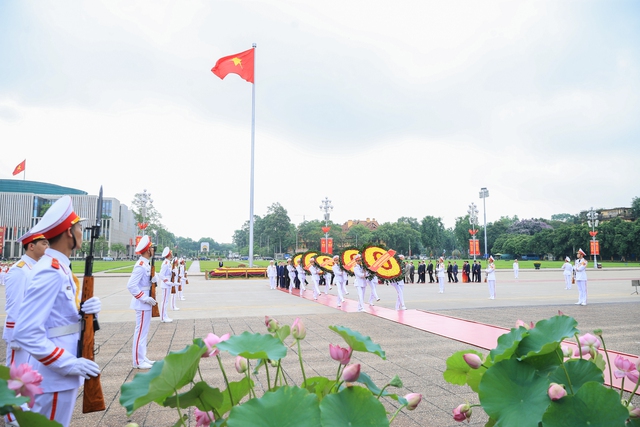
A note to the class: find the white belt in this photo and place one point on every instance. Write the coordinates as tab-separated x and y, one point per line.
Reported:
60	331
145	289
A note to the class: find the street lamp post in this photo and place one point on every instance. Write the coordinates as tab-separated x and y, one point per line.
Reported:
484	193
146	199
326	207
473	220
593	223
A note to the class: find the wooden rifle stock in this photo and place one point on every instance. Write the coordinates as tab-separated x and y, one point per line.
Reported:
93	399
173	278
155	311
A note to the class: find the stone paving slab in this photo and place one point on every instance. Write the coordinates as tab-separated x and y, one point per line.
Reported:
417	357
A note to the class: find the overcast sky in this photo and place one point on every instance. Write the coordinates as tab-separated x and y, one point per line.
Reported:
389	109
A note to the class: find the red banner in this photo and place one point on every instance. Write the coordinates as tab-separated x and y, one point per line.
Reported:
474	249
2	229
326	245
595	247
138	240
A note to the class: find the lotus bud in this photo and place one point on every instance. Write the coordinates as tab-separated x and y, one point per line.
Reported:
339	354
566	350
473	360
241	364
298	330
597	332
413	400
273	363
633	412
271	324
351	373
556	391
462	412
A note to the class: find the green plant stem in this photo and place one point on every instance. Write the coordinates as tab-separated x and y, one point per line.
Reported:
200	373
606	353
266	369
178	408
226	380
247	374
382	391
304	378
579	346
564	368
621	388
396	413
633	393
284	377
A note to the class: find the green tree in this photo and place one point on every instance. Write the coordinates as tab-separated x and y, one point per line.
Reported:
359	235
150	215
277	225
118	249
432	235
635	208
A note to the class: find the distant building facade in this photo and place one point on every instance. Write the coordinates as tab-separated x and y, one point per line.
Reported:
371	224
22	204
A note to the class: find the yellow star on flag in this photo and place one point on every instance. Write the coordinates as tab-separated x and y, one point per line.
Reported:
237	61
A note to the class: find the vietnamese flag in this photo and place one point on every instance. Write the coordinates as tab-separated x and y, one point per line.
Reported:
20	167
240	64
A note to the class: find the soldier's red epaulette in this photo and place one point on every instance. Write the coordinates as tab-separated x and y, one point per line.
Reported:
21	264
141	263
55	264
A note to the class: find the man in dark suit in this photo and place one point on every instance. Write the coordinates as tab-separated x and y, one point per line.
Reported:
412	271
421	272
449	272
455	271
430	271
467	270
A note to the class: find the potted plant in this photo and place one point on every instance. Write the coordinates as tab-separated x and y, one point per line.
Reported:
537	265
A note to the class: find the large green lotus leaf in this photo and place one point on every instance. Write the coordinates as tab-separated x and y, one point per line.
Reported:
5	372
285	407
507	344
358	342
374	389
513	395
545	363
633	422
239	389
547	335
163	379
31	419
594	405
320	386
580	372
202	396
354	407
283	332
254	346
460	373
8	397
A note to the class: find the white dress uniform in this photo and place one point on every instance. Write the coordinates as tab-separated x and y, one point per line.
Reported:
440	270
373	283
164	278
491	279
360	284
302	277
175	283
581	280
567	272
182	277
272	274
516	269
292	276
315	276
139	286
339	278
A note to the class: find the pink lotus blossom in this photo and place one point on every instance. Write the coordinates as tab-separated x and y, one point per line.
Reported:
298	330
242	364
589	344
351	373
473	360
211	341
556	391
271	324
413	400
626	368
204	418
339	354
25	382
462	412
566	350
527	326
633	412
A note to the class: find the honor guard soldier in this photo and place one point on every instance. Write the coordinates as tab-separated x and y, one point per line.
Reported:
291	271
361	280
175	282
302	277
139	286
165	284
339	276
48	326
16	281
491	278
399	287
182	274
581	277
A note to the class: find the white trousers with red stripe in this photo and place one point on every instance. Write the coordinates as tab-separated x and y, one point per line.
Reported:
139	347
166	292
57	406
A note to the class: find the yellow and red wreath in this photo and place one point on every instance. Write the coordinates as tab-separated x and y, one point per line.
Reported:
382	262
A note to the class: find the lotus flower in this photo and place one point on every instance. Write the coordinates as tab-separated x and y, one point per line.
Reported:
556	391
204	418
342	355
351	373
626	368
413	400
588	344
473	360
25	381
211	341
462	412
298	330
271	324
242	364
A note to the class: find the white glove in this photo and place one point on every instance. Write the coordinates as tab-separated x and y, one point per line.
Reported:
154	279
14	345
85	368
91	306
149	300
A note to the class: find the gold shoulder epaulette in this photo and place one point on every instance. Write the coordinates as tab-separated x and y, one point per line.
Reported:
21	264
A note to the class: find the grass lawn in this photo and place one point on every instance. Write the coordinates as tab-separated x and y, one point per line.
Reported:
113	266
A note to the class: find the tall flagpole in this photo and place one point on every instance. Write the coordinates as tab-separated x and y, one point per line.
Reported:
253	143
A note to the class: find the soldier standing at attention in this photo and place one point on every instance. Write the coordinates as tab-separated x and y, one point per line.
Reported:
139	285
581	277
48	326
165	284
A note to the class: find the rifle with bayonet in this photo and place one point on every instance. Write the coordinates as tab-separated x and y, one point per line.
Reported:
93	400
155	312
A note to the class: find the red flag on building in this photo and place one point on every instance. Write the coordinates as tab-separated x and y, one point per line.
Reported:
20	167
240	64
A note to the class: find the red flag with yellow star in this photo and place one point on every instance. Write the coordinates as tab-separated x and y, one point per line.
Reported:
240	64
20	167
